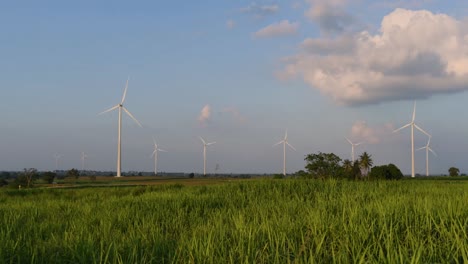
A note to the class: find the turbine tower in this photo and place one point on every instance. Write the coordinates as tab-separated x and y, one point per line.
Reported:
119	145
284	142
352	147
204	153
57	158
413	125
83	157
155	154
427	154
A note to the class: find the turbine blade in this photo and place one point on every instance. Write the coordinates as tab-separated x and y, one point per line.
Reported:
154	152
134	119
360	143
162	150
286	135
110	109
432	151
420	148
211	143
349	141
290	146
405	126
414	111
420	129
125	93
204	143
278	143
154	141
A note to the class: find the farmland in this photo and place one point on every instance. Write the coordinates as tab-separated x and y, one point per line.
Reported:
239	221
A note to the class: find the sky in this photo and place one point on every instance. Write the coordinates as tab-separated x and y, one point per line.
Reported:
240	73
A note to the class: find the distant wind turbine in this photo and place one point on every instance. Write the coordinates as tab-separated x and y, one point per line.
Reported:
352	147
204	153
427	154
57	158
155	154
413	125
120	107
83	157
284	142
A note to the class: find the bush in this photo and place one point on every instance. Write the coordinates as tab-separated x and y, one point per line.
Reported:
49	176
386	172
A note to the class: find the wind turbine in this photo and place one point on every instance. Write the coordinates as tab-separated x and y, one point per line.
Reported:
155	154
83	157
413	125
352	147
204	153
120	107
427	154
57	158
284	142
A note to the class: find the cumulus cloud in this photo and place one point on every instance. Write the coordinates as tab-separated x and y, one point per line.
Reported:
330	15
205	115
282	28
372	135
260	11
416	54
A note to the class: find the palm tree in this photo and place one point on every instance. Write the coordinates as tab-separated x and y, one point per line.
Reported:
365	162
347	167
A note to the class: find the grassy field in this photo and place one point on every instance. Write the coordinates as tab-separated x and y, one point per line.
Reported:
255	221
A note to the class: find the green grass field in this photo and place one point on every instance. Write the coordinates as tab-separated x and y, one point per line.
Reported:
255	221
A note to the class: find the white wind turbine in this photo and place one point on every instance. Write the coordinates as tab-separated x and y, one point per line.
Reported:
427	154
284	142
57	158
120	107
204	153
413	125
352	147
155	154
83	157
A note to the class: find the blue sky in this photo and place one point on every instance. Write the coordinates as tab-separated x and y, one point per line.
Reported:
324	70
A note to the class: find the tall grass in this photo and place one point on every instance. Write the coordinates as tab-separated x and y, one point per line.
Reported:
265	221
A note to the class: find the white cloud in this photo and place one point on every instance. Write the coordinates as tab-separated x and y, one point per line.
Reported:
330	15
360	131
205	115
416	54
282	28
260	11
230	24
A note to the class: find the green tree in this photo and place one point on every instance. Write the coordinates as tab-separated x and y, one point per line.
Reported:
25	178
323	165
49	176
73	173
454	171
386	172
366	162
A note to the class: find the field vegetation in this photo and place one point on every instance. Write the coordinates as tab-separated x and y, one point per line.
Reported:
254	221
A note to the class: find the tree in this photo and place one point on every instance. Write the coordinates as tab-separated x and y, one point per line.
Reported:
191	175
386	172
25	178
49	176
347	166
454	171
73	173
323	165
366	162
